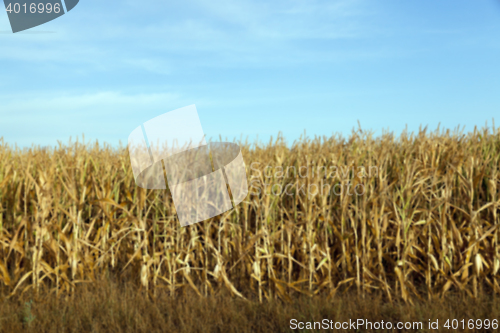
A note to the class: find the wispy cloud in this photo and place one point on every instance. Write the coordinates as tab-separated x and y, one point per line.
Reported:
123	63
216	33
102	114
116	104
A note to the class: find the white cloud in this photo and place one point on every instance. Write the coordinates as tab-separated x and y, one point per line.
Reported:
159	36
107	115
16	107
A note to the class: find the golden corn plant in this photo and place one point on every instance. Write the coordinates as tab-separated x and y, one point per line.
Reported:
421	220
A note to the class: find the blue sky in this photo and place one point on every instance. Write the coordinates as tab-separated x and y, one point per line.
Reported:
253	68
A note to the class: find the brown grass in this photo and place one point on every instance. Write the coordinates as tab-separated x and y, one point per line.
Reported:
426	224
120	307
107	306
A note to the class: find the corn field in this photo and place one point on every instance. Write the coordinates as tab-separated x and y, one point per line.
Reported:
425	224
